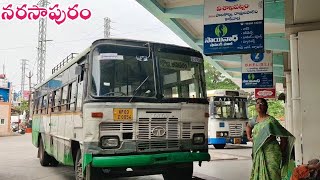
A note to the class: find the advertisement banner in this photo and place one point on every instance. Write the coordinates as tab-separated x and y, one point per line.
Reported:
234	38
257	70
229	11
257	80
257	62
233	27
267	93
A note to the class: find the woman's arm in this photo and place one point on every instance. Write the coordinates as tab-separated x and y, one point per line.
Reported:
249	132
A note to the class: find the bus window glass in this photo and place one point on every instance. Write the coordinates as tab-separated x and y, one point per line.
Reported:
240	109
229	108
57	100
177	70
73	95
120	70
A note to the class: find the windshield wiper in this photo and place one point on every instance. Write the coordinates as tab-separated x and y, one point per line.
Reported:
136	90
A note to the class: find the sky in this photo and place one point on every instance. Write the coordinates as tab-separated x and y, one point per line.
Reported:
19	38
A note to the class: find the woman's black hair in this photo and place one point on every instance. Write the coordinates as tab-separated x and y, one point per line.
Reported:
264	101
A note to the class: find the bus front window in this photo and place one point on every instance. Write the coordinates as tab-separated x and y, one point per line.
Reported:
229	108
222	109
122	71
180	74
240	110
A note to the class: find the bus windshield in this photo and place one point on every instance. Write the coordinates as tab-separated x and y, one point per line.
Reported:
180	75
228	108
122	71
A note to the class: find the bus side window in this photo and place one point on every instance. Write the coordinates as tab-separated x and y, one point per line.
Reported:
64	101
73	95
35	106
52	100
40	105
79	93
44	104
57	101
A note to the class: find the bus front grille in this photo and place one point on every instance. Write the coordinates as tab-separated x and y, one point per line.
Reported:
158	133
235	129
160	144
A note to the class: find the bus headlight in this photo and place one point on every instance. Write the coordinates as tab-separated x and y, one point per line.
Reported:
110	142
198	139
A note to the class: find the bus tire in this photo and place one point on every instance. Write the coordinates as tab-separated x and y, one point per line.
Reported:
54	162
219	146
43	155
179	171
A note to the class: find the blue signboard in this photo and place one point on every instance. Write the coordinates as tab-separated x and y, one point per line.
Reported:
233	27
4	95
257	80
234	38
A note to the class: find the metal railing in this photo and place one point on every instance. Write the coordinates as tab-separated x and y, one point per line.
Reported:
64	62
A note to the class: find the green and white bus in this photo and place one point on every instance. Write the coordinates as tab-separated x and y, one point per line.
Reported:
124	106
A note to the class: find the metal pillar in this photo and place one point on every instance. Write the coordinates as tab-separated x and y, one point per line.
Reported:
23	73
41	59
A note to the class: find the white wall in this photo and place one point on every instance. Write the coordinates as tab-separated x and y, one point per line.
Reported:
309	73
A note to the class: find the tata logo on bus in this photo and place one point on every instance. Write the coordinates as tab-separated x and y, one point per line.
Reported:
158	131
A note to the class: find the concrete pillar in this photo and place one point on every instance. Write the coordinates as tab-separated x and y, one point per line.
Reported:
288	111
296	109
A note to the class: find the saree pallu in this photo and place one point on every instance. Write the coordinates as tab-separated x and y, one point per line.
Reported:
269	163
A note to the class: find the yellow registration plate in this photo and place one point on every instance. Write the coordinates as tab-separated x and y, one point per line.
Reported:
120	114
237	140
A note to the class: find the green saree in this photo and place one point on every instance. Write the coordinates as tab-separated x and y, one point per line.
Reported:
268	161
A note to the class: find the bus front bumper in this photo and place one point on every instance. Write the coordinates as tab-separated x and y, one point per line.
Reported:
148	160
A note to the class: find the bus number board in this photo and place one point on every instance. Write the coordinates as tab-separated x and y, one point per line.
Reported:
120	114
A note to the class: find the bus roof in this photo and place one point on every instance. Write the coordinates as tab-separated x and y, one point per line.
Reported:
86	51
76	59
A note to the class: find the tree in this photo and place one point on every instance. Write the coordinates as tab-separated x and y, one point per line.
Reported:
215	80
24	106
275	109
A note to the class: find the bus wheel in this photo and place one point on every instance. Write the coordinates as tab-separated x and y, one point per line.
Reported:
43	155
219	146
54	162
179	171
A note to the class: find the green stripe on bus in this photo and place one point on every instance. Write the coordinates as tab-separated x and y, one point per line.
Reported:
147	160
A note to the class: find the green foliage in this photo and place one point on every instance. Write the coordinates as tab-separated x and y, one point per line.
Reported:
24	106
276	109
215	80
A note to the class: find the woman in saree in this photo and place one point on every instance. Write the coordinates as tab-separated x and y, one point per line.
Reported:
270	159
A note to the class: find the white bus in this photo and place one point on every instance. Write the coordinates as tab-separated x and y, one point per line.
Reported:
124	107
228	117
